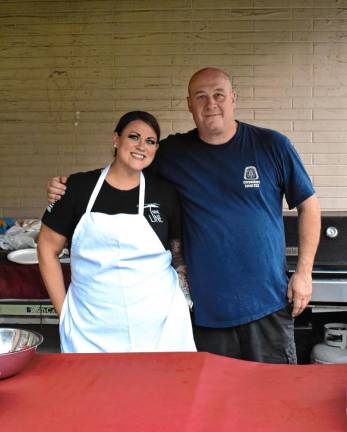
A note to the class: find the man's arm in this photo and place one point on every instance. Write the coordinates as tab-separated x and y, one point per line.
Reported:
56	188
300	284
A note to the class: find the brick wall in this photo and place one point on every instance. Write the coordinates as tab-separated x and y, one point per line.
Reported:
70	68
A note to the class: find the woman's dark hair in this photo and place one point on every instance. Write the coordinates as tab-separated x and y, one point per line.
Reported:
138	115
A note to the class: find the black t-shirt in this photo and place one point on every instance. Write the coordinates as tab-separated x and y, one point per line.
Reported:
161	209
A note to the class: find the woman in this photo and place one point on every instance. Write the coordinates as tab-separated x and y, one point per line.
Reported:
124	294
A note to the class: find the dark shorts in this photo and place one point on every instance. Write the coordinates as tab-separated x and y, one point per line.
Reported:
268	340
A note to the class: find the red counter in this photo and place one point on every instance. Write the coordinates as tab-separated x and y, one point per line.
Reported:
167	392
23	281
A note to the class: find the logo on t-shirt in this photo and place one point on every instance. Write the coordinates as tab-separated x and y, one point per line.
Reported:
251	177
154	213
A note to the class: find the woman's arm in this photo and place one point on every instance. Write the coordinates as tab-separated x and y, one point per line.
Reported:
181	269
50	244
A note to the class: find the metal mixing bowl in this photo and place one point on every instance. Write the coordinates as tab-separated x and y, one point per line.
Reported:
17	346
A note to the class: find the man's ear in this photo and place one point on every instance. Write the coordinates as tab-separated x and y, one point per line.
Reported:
234	96
189	104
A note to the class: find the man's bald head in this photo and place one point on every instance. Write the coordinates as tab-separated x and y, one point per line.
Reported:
208	72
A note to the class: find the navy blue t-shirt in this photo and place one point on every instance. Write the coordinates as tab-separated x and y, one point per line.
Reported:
231	196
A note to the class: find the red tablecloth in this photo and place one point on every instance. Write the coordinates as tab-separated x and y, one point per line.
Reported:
166	392
23	281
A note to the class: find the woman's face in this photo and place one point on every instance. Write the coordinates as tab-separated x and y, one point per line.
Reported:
136	146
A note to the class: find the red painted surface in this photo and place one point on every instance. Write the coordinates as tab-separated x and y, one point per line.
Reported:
166	392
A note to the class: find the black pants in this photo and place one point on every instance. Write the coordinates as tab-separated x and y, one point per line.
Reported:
269	339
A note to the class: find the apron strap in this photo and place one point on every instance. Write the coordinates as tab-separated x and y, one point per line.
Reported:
97	188
142	194
100	182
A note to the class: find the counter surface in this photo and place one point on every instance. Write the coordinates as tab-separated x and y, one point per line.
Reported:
166	392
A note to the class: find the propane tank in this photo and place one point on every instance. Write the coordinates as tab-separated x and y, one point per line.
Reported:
334	348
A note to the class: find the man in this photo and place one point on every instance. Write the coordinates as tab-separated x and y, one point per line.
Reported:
232	178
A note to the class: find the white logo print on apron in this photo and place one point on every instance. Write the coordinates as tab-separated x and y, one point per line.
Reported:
124	293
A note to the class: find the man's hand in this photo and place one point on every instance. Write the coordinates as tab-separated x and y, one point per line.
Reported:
299	291
300	284
56	188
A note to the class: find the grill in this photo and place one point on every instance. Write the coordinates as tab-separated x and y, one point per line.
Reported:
329	275
330	267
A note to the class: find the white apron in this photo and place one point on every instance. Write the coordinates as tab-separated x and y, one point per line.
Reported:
124	294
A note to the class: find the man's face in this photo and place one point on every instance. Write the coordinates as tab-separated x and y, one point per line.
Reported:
211	101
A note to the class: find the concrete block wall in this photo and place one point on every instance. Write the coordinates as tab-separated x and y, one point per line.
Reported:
70	68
